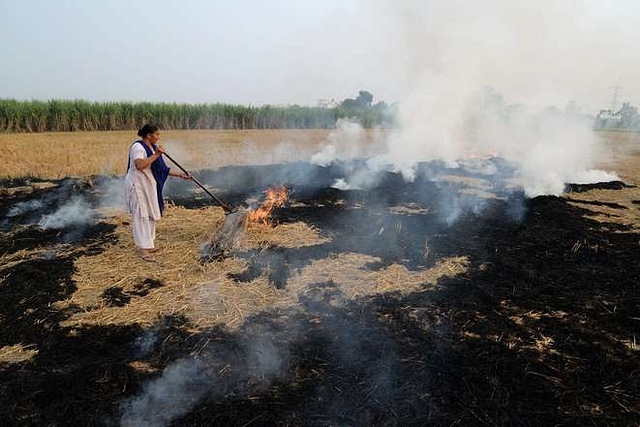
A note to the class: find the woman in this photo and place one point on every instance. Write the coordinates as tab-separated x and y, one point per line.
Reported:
146	175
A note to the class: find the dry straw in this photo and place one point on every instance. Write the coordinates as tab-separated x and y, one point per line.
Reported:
179	285
74	154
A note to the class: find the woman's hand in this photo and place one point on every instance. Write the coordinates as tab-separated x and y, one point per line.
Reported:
180	175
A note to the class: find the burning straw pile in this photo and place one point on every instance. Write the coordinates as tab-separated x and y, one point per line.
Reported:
228	236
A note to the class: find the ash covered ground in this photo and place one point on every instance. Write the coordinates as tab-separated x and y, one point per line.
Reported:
538	330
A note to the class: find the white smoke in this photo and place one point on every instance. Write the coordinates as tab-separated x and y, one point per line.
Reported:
178	151
549	148
145	343
265	353
76	212
343	143
343	185
455	50
182	385
24	207
285	151
459	58
540	53
188	381
111	191
347	142
455	207
265	357
326	156
591	176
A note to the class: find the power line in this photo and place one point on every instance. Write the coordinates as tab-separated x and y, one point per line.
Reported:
614	97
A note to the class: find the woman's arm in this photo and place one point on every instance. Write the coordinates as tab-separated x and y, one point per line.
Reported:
146	162
142	161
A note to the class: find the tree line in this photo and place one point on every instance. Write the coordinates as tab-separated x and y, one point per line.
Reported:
80	115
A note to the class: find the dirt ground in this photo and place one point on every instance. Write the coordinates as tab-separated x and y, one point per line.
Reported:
440	302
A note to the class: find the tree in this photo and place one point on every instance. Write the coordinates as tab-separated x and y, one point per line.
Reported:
349	103
364	99
629	116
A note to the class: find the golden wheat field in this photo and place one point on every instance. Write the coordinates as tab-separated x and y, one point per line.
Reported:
71	154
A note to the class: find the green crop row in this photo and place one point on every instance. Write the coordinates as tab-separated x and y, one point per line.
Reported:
79	115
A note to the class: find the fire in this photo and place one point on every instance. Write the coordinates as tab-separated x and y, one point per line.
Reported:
274	198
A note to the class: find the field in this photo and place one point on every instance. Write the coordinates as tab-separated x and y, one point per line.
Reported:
346	308
74	154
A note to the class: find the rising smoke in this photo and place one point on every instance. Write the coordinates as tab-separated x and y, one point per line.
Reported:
23	207
76	212
273	348
343	143
111	191
68	206
484	79
256	360
179	389
47	208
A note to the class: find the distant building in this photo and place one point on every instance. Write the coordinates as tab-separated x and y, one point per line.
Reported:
609	115
608	119
327	103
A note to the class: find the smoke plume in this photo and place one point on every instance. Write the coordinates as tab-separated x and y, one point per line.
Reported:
270	348
492	79
343	143
21	208
111	191
76	212
256	360
179	389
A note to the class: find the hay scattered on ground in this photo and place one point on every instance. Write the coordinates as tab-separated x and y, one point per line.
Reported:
165	284
349	272
117	287
17	353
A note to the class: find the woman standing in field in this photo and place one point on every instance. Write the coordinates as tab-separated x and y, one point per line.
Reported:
146	175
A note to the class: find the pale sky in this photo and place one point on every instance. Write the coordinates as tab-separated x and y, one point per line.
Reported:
254	52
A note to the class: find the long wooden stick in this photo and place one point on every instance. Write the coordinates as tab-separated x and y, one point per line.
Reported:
225	206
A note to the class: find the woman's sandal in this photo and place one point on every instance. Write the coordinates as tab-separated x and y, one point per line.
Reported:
148	258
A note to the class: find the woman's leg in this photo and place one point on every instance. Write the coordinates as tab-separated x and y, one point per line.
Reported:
144	233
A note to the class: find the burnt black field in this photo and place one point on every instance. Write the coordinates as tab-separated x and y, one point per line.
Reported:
539	331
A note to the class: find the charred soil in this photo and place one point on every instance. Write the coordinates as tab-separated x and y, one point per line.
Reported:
538	328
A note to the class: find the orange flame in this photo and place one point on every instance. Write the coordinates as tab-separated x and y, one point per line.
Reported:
274	198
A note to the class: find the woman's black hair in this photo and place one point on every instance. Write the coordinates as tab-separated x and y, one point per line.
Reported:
147	129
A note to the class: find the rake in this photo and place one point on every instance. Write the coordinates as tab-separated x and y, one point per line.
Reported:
226	207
